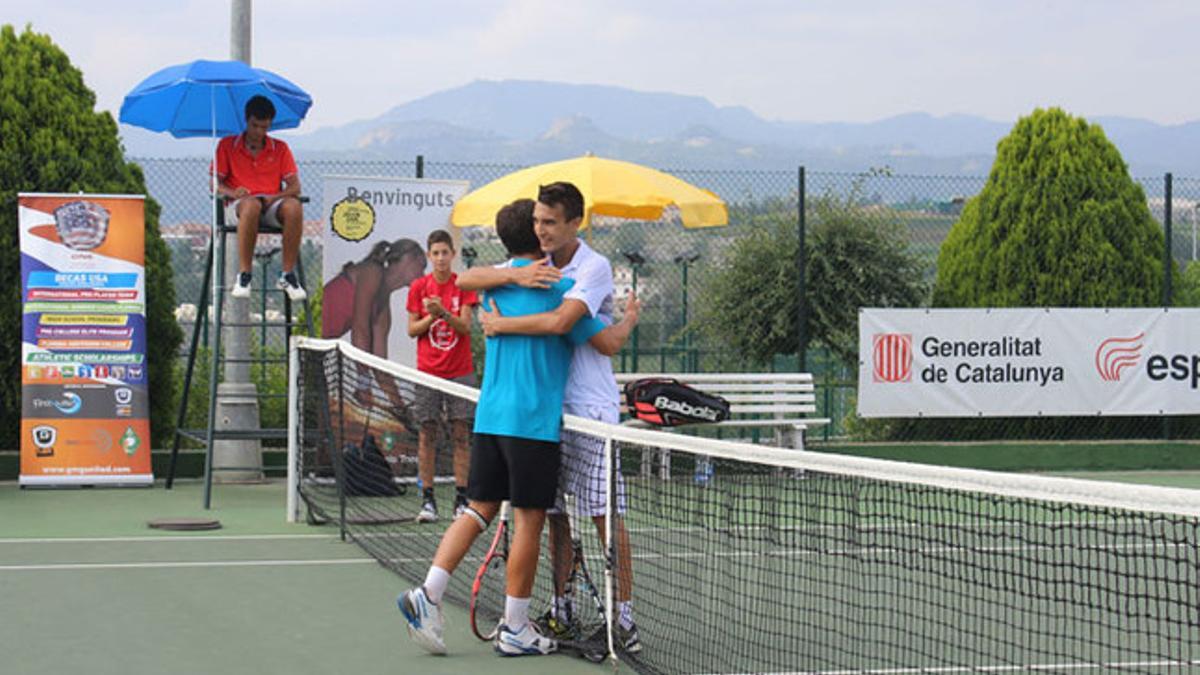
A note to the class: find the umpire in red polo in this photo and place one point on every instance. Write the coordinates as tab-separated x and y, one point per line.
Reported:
257	176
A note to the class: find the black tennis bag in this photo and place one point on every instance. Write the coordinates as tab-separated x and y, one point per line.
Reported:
667	402
368	473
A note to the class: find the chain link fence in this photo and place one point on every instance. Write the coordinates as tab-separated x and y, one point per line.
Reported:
678	272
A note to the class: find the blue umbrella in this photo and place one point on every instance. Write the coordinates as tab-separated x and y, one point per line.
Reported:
208	98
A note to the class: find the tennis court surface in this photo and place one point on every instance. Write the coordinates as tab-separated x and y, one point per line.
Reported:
87	587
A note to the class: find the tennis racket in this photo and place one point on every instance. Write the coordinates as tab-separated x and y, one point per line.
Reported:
493	569
593	641
580	577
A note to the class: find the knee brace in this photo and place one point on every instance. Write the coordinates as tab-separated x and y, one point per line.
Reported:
477	517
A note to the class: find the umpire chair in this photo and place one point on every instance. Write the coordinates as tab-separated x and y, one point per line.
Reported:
210	434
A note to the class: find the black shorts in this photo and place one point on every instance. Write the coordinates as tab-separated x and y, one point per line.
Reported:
521	470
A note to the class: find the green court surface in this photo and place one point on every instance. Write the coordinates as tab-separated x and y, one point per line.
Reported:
87	587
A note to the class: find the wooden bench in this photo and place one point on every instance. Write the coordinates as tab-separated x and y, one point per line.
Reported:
780	401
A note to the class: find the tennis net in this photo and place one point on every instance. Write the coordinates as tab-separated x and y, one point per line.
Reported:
788	561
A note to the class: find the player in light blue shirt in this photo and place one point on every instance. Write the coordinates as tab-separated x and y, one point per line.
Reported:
515	455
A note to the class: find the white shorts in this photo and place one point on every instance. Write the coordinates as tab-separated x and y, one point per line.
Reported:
582	472
269	217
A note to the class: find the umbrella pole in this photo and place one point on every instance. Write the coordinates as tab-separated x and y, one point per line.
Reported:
218	262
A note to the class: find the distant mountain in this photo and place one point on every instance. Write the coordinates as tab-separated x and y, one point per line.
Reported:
522	122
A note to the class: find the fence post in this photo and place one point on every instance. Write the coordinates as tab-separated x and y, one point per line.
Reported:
801	314
1168	250
635	328
1168	258
420	166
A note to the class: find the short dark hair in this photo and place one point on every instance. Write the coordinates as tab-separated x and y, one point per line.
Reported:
565	194
260	108
514	225
440	237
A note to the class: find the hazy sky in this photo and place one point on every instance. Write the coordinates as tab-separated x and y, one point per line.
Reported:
786	59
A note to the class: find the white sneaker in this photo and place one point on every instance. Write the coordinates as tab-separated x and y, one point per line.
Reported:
291	285
241	287
424	620
428	513
526	642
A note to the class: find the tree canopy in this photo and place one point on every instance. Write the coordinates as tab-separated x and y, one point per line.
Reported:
1059	223
856	256
53	140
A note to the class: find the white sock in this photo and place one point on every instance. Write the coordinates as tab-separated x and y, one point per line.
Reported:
516	613
625	614
436	581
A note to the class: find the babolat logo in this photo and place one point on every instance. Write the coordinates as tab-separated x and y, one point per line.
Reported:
698	411
1179	367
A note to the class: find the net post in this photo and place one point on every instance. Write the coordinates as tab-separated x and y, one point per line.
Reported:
293	422
339	468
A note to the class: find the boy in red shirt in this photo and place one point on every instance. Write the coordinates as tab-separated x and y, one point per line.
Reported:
439	316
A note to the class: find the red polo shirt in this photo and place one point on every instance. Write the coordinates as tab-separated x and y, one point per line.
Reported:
441	350
263	173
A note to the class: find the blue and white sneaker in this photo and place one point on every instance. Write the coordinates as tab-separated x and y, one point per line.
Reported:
241	287
628	639
290	284
525	642
424	620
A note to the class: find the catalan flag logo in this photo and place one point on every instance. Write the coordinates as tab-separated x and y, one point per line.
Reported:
892	357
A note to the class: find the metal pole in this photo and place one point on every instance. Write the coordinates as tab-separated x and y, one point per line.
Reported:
1168	258
1168	253
239	31
293	421
635	327
262	330
686	335
802	305
420	166
237	404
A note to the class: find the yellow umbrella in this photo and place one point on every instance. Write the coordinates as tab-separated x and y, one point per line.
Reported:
610	188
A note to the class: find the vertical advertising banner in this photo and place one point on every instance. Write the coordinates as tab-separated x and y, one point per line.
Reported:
84	414
373	225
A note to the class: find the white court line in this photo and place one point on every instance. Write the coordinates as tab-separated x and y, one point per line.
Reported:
166	538
184	564
1052	667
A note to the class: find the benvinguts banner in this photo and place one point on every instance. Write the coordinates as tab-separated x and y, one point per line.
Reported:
368	211
1028	362
84	416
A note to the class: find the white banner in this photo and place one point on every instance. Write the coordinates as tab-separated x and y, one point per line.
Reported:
364	211
1028	362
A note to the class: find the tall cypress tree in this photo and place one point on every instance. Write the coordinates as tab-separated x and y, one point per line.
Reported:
53	140
1059	223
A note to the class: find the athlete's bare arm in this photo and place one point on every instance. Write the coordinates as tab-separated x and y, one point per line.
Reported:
560	321
538	274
